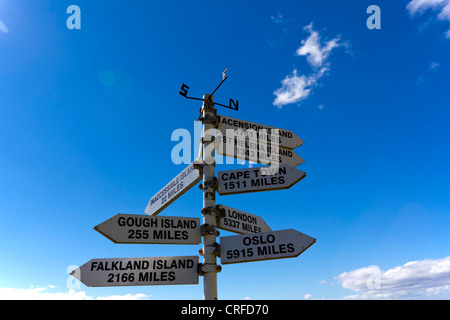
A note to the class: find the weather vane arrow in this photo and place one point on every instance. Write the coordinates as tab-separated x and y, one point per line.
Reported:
234	105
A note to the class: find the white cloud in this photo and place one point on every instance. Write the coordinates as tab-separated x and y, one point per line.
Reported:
41	293
442	6
419	6
316	53
421	279
308	296
298	87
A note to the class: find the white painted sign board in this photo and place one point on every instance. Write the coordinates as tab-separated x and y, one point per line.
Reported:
241	222
138	271
255	131
187	178
135	228
258	179
264	246
257	152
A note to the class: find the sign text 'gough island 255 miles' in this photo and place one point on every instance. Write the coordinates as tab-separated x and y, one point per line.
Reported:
141	228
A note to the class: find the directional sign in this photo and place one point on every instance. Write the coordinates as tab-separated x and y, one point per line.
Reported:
256	131
241	222
238	147
188	178
258	179
138	271
135	228
264	246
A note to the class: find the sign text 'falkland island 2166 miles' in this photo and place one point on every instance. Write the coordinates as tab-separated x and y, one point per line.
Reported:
138	271
258	179
139	228
188	178
264	246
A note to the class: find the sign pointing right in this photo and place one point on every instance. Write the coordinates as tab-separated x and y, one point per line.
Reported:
264	246
258	179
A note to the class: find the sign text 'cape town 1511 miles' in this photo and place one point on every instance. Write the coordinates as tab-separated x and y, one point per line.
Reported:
138	271
258	179
264	246
138	228
187	178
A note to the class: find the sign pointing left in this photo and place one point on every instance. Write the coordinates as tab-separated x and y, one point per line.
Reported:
138	228
179	185
138	271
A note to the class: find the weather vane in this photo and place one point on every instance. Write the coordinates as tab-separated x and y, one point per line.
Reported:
234	105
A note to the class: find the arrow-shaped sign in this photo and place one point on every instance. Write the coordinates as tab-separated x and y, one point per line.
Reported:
135	228
256	151
256	131
240	222
264	246
138	271
187	178
258	179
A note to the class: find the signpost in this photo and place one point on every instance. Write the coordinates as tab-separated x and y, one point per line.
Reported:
258	179
255	131
240	222
138	271
259	152
135	228
236	138
187	178
264	246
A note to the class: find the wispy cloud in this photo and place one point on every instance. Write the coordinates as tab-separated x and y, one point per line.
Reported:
317	53
441	6
297	87
3	27
434	65
423	279
278	18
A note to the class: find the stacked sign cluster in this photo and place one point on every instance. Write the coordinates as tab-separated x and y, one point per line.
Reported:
255	241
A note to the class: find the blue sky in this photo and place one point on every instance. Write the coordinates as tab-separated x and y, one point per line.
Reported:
86	118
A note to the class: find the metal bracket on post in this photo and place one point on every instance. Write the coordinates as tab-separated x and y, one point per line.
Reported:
207	229
205	268
214	120
215	249
214	183
211	211
198	165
